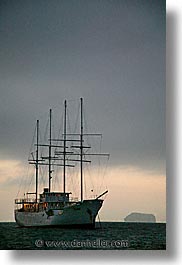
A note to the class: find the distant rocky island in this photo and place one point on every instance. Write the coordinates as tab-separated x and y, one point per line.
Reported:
140	218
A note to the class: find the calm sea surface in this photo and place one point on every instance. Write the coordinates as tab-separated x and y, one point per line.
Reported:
110	235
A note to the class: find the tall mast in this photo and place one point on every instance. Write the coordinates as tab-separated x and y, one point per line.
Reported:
64	152
50	135
81	149
37	161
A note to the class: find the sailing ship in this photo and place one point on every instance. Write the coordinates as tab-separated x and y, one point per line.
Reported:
53	208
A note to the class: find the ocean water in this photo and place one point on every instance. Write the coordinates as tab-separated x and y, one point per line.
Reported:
106	236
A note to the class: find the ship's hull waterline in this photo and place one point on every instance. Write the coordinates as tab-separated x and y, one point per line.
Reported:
82	214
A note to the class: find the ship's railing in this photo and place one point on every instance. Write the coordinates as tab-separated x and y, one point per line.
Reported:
25	200
31	200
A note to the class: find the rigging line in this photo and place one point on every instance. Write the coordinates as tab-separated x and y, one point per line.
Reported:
99	158
104	172
52	126
43	139
72	178
40	147
59	131
28	178
77	119
89	169
42	151
56	171
54	179
74	175
85	186
46	130
30	182
32	144
45	136
44	171
73	112
41	180
68	121
86	128
30	152
22	179
90	176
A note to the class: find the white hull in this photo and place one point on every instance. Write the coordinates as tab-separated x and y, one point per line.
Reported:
80	214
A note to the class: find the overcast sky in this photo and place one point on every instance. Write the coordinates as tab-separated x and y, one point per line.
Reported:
110	52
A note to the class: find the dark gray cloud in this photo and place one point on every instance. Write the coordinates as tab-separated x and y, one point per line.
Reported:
110	52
